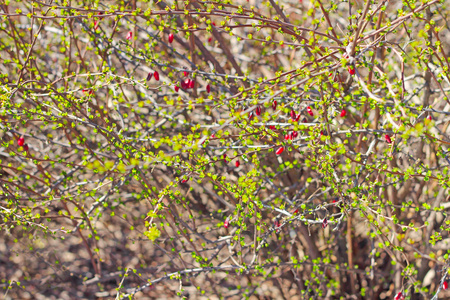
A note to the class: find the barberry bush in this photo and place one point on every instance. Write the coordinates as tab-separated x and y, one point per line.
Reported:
224	149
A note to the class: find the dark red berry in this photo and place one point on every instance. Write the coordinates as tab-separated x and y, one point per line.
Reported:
208	89
294	134
210	39
21	141
185	84
293	115
25	147
171	38
149	76
309	110
343	113
156	74
274	105
279	151
387	138
351	70
225	157
258	111
324	223
250	115
237	164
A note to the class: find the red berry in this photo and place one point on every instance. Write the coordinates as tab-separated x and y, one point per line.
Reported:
156	74
171	38
258	111
210	39
429	117
343	113
277	223
191	84
399	296
95	25
208	88
274	105
294	134
149	76
185	84
293	115
388	139
324	223
279	151
184	180
287	137
225	157
250	115
226	223
445	285
21	141
25	147
298	117
129	35
295	212
351	70
185	73
277	226
309	110
272	127
177	88
237	164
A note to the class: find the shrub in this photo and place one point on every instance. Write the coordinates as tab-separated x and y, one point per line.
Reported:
226	149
